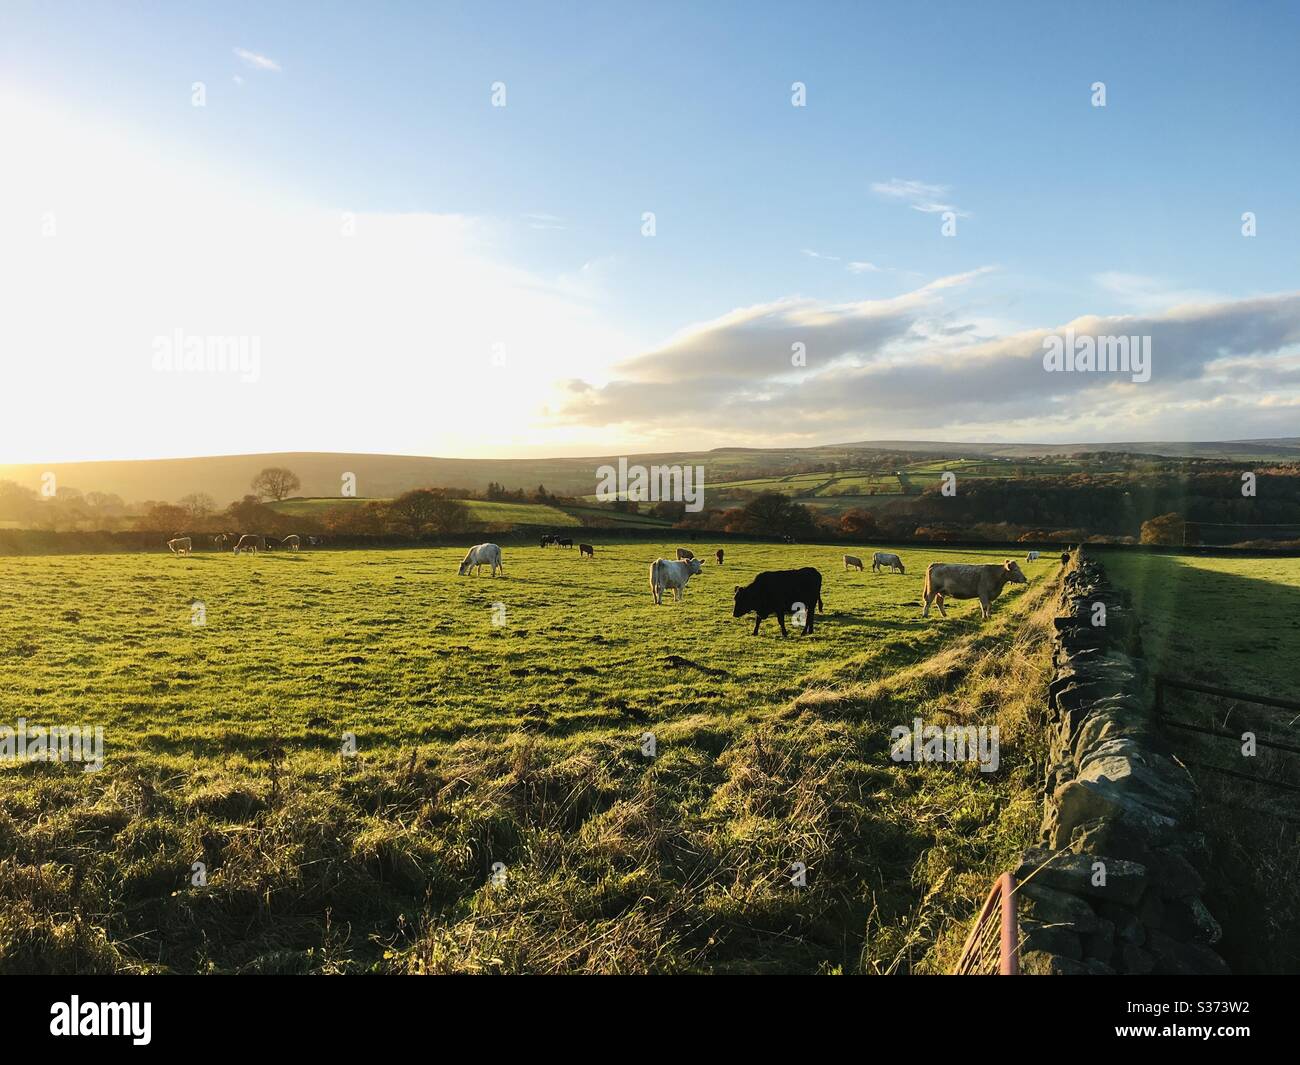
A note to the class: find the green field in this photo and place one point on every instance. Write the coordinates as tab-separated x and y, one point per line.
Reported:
487	513
480	511
845	488
1230	622
1233	623
501	720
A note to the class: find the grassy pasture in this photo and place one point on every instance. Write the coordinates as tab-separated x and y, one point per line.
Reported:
1233	623
517	743
480	511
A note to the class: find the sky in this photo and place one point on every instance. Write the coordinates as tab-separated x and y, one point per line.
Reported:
526	229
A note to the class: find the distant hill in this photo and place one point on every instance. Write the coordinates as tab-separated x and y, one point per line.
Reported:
227	477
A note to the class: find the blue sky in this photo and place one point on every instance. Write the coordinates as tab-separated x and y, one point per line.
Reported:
1063	210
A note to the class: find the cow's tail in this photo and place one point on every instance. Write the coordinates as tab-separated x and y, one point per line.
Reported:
926	591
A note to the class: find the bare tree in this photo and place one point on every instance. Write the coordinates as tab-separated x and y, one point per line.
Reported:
199	505
428	508
276	482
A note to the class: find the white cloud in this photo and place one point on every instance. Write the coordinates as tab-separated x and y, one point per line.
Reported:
541	220
1144	293
929	199
257	62
916	366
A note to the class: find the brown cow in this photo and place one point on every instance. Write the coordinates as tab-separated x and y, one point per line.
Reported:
954	581
586	550
683	555
719	556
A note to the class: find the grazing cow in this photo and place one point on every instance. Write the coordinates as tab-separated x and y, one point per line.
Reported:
249	542
853	562
781	592
182	545
566	542
292	542
887	559
674	575
787	539
587	550
953	581
480	556
220	540
719	553
683	555
1032	556
548	540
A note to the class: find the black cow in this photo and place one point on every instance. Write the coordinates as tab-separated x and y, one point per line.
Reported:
566	542
779	592
548	540
586	549
719	556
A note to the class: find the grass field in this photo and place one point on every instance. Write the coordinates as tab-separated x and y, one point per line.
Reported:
480	511
855	487
1233	623
501	721
484	512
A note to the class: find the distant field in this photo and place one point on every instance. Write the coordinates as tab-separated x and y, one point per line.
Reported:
480	511
501	720
1234	623
843	489
227	477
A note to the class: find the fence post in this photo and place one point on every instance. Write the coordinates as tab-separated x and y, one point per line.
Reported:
1010	960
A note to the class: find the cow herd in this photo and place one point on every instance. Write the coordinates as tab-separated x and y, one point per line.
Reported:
798	592
248	543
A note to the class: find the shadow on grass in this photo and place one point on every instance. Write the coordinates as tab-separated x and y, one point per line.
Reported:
1231	629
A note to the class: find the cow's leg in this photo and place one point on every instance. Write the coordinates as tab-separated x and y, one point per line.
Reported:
939	602
780	620
926	612
986	607
757	618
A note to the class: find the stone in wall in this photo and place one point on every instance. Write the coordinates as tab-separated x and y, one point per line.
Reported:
1116	888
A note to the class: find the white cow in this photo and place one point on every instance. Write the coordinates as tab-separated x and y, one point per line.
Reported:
960	581
292	541
888	560
1032	556
182	545
483	554
674	575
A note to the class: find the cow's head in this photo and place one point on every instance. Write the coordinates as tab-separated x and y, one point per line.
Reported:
695	565
1012	570
743	605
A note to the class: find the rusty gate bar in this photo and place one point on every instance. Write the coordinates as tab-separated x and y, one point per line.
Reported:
1002	902
1163	682
1224	734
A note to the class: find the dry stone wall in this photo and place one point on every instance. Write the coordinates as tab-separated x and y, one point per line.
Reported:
1116	885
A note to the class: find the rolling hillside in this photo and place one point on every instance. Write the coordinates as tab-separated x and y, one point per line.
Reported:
227	477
